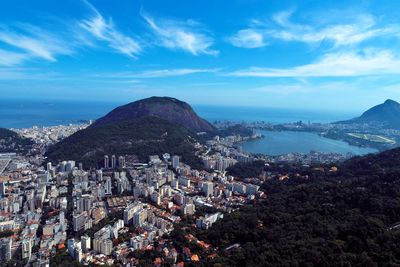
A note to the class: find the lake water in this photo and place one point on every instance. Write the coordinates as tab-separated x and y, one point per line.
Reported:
277	143
26	113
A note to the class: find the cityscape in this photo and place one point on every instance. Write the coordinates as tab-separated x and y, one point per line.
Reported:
183	133
102	215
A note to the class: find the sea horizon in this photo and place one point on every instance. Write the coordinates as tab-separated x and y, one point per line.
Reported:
28	113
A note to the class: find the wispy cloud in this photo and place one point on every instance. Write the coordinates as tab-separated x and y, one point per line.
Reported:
248	38
24	41
171	72
31	42
285	89
361	28
17	74
181	35
21	42
341	64
8	58
159	73
105	30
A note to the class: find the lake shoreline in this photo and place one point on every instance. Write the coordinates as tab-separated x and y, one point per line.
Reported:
281	142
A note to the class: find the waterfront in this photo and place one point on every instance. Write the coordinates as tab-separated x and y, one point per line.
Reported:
283	142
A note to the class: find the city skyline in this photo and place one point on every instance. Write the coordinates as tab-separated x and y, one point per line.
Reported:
244	53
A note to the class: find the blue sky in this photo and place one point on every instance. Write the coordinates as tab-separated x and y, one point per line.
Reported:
342	55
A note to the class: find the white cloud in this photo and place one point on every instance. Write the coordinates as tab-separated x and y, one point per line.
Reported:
361	28
106	31
171	72
341	64
282	89
177	35
248	38
160	73
8	58
17	74
29	42
308	87
33	42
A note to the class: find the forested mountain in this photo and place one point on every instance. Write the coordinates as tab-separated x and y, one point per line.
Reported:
10	141
151	126
387	114
167	108
141	137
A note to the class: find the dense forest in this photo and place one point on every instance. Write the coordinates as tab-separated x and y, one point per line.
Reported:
317	217
141	137
237	129
244	170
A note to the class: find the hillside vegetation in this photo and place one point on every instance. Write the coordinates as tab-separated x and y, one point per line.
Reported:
167	108
318	218
12	142
386	114
141	137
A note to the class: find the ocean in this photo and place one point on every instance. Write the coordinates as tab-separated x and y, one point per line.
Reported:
24	114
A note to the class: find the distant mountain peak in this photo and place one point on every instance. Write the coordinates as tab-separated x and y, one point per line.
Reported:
160	99
167	108
391	102
387	113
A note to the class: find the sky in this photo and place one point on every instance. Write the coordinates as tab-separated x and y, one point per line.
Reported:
333	55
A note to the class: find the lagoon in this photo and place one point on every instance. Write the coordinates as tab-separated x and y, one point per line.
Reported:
283	142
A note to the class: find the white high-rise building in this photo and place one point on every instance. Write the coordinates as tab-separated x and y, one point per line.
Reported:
108	186
61	218
208	188
129	212
121	162
26	248
106	162
175	162
140	217
106	247
79	221
69	166
79	204
113	162
99	175
85	243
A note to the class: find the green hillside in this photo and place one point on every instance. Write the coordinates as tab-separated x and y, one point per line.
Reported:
141	137
317	218
12	142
